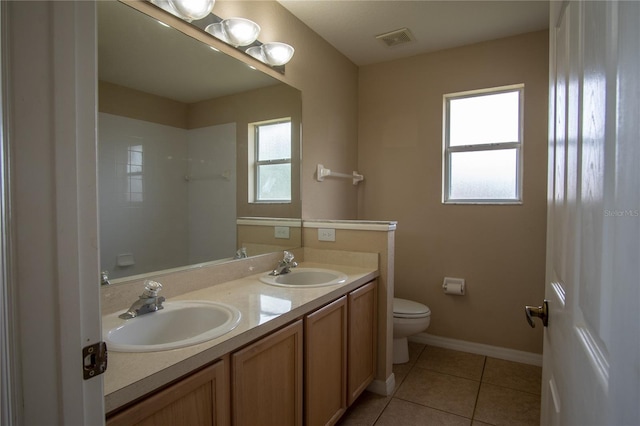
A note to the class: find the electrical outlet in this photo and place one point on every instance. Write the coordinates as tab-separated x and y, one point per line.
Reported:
326	234
282	232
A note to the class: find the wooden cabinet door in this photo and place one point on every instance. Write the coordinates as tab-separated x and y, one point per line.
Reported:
201	399
326	363
267	380
362	310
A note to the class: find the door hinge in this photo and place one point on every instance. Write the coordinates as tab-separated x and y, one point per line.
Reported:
94	358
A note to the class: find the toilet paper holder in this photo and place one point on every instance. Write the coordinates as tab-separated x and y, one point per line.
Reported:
454	286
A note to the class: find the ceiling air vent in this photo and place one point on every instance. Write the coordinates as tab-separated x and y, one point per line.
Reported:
396	37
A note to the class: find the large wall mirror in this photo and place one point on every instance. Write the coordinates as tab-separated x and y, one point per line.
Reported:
178	126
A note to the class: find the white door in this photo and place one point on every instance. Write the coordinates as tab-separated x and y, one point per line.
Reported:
51	57
591	367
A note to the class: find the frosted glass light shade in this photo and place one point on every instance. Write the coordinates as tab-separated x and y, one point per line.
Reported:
277	53
240	31
193	9
217	31
256	52
168	6
188	10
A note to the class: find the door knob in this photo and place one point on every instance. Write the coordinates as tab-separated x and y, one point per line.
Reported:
541	312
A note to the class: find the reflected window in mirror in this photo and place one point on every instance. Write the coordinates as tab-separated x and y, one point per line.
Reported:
271	161
134	191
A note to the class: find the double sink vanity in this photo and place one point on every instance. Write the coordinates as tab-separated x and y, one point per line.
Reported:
296	348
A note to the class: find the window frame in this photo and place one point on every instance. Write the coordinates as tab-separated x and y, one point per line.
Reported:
135	198
254	178
449	150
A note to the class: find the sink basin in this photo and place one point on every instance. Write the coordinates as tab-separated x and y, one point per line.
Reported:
306	277
179	324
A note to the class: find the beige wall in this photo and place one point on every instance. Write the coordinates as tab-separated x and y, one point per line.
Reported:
499	250
126	102
260	239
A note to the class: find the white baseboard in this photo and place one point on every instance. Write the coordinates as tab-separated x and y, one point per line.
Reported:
383	387
478	348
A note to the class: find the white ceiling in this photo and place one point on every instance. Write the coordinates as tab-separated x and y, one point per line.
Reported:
351	25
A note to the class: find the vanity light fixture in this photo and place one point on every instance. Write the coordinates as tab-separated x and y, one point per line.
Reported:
240	31
187	10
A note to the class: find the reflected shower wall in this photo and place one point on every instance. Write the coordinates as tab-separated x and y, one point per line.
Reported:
211	192
166	194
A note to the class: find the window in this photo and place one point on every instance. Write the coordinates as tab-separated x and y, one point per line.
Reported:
483	146
271	157
134	191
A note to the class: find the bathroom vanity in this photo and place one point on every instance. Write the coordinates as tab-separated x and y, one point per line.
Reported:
298	356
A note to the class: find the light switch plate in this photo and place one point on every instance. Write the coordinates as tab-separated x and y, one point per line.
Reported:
326	234
282	232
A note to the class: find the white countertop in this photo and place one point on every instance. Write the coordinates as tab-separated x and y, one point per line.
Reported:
264	308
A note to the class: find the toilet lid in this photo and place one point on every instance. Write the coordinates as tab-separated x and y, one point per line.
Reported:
403	308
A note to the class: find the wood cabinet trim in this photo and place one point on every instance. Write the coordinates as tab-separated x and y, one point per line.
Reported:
320	348
356	385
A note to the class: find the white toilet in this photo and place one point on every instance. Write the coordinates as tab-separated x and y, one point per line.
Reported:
409	318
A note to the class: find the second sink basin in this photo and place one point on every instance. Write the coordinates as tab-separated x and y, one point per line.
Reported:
306	277
179	324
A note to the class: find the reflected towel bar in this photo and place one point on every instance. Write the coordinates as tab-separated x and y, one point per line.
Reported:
324	172
226	175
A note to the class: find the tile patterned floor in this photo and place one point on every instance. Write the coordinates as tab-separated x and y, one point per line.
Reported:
446	387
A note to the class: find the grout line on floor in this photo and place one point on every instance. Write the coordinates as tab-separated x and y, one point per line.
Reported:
381	412
433	408
411	367
475	406
451	375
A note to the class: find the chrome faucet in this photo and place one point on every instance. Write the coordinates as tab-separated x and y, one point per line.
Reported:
241	253
147	302
285	265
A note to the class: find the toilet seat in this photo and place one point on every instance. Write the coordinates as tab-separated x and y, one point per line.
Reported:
403	308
